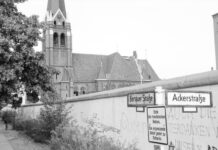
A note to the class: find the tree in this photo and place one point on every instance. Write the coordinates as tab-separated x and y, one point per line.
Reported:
20	65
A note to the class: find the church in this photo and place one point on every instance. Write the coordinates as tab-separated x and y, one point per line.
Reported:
87	73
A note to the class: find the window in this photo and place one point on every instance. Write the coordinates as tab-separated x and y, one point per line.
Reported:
83	90
76	93
62	39
55	23
63	23
55	39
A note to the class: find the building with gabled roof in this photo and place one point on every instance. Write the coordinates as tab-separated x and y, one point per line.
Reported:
87	73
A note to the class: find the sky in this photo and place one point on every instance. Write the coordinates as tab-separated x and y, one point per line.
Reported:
175	36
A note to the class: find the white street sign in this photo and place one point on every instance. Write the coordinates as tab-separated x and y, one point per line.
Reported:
187	98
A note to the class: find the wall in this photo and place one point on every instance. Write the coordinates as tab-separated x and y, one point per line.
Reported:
187	131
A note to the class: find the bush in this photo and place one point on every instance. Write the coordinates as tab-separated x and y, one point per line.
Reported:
8	116
40	129
31	128
86	138
51	116
19	124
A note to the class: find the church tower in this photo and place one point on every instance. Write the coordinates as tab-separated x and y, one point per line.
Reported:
57	46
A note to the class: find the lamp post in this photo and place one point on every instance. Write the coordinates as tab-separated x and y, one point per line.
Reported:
171	146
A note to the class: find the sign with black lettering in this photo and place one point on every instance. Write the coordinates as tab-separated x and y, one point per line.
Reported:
157	125
141	99
187	98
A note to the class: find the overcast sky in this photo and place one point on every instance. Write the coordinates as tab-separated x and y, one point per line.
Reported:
175	36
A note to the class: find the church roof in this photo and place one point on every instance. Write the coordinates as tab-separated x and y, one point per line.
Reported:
54	5
88	68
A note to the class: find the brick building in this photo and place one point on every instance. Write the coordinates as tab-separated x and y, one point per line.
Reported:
87	73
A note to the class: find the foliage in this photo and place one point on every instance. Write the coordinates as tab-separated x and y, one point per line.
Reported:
86	138
20	65
8	116
51	116
32	128
40	129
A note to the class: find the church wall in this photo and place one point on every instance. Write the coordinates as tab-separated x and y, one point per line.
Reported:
61	56
90	87
187	131
103	85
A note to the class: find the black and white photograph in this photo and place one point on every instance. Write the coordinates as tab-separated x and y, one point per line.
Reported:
108	74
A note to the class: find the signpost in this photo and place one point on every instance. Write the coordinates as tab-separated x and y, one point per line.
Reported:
157	125
141	99
188	99
156	110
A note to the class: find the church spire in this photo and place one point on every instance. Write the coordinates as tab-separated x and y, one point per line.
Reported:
54	5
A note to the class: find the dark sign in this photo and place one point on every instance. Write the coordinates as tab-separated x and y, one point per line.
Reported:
141	99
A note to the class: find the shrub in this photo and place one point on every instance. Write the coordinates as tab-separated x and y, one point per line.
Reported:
31	128
19	124
51	116
40	129
86	138
8	116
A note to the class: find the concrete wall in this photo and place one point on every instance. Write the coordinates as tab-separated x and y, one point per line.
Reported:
187	131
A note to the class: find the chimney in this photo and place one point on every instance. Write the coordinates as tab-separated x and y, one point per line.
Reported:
215	23
135	54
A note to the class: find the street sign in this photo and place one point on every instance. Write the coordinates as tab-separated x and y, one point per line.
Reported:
189	98
141	99
157	125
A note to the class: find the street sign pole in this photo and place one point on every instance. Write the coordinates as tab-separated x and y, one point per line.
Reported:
160	100
160	95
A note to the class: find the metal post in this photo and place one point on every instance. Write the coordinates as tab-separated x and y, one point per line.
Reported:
160	100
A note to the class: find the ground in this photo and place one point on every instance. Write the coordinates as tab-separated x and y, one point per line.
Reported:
20	141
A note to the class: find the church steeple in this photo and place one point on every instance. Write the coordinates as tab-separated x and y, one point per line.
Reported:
58	46
55	5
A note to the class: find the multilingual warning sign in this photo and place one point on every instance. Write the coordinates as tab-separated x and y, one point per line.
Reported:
157	125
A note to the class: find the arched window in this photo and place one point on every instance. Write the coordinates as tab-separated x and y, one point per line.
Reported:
75	91
113	86
62	39
55	23
63	23
83	90
55	39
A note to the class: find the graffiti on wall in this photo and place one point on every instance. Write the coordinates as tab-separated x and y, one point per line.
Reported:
201	127
133	126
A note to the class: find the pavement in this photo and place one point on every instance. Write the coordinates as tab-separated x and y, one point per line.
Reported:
4	143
